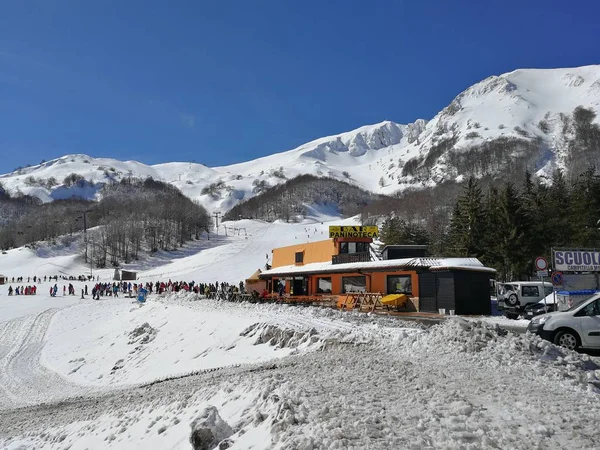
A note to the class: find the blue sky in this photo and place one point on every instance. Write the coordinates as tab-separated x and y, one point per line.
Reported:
227	81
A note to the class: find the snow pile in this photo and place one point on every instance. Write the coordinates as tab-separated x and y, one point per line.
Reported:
280	338
493	346
142	334
113	342
209	430
456	385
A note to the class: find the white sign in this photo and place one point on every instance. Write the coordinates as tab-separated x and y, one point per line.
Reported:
577	260
541	263
542	273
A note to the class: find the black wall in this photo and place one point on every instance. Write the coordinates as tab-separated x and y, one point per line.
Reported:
428	292
463	291
472	293
401	253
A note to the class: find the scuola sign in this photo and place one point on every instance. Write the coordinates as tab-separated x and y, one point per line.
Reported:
577	260
353	232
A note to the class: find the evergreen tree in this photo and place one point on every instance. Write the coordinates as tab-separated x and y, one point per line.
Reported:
468	224
515	229
400	232
556	221
492	253
585	210
536	212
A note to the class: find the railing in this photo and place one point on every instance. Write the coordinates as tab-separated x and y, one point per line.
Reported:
375	255
343	258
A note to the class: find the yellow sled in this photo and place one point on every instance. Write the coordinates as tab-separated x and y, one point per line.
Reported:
395	300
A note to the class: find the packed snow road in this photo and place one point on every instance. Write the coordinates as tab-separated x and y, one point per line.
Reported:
23	379
342	381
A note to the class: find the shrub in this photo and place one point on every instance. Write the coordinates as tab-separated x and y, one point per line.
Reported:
279	173
72	179
521	131
543	125
30	181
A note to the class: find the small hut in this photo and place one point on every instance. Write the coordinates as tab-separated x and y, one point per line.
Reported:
254	283
127	275
3	279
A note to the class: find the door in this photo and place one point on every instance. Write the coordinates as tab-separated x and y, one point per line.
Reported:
428	292
590	324
300	286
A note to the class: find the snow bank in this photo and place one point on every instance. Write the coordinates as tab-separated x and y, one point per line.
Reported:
117	342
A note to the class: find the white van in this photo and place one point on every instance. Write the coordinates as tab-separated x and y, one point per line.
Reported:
574	328
514	296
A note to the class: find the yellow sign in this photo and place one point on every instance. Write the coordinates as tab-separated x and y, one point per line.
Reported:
353	232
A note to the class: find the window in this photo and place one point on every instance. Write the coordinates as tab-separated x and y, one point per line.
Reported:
505	289
530	291
354	284
324	286
362	247
299	257
548	290
593	309
399	284
354	247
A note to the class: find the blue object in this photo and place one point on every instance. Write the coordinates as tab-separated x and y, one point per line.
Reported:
580	292
557	278
142	293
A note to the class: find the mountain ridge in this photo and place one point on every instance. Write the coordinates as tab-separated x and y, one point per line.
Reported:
524	116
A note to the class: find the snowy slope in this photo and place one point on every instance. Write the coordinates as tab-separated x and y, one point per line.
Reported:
372	157
232	255
512	105
295	378
82	374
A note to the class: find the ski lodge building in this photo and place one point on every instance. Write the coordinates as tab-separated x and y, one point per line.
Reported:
347	263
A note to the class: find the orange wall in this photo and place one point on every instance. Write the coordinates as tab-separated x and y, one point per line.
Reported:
320	251
378	281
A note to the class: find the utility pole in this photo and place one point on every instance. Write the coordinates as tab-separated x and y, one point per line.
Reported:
85	231
217	215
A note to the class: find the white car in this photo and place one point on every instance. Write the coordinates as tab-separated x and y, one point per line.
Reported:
577	327
514	297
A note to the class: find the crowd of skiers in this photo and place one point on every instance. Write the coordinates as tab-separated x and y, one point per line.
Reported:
160	287
22	290
54	278
131	289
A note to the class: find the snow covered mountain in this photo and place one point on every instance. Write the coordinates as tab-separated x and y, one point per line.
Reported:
521	118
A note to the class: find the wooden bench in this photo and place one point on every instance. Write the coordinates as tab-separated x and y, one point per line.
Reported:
360	300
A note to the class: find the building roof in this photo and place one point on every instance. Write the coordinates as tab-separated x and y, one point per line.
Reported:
254	277
407	246
471	264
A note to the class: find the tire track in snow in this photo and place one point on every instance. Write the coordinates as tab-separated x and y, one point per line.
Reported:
23	379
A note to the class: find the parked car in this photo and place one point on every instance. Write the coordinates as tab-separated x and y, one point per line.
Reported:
536	309
515	296
577	327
